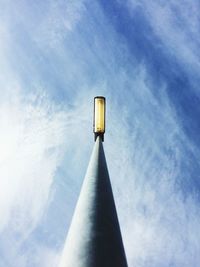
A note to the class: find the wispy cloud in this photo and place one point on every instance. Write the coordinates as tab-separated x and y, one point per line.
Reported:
57	21
156	217
32	136
177	26
35	134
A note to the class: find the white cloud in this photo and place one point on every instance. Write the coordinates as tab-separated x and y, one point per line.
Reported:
177	26
60	18
158	222
35	135
32	134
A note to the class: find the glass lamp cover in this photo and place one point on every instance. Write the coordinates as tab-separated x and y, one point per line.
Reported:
99	115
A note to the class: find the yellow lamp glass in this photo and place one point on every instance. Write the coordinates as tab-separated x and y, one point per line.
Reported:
99	115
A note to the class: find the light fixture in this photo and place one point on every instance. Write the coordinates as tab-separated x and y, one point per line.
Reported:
99	117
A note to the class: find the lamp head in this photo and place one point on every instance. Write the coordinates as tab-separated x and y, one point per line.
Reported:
99	117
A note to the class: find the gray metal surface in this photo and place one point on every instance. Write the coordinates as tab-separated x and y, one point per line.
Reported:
94	238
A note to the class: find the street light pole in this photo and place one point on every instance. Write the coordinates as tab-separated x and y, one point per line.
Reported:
94	238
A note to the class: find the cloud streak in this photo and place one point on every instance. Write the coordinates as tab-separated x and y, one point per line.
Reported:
31	139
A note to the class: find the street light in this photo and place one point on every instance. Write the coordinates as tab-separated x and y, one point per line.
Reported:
99	117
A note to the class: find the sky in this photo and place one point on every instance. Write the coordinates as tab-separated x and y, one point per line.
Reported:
143	56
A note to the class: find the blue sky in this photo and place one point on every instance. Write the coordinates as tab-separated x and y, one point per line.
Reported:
143	56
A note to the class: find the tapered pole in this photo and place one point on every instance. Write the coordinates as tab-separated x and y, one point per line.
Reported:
94	238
